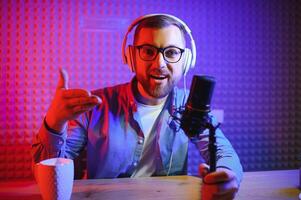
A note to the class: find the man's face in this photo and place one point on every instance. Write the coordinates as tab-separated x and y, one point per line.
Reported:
157	78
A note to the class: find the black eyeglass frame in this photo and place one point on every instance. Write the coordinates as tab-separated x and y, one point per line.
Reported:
161	50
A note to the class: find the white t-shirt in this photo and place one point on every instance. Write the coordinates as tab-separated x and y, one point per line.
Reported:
148	115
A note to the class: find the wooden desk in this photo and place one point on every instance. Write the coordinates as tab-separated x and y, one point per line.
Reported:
268	185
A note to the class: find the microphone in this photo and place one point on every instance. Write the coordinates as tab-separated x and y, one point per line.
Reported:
195	116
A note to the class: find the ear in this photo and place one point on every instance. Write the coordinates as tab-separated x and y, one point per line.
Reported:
130	57
187	60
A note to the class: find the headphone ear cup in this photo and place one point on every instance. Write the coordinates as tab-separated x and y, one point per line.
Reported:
129	58
187	61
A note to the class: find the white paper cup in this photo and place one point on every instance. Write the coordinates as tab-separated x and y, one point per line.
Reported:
55	178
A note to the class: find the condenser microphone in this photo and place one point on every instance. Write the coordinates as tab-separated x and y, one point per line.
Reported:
195	116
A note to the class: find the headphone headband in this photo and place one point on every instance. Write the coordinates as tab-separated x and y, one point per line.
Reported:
139	19
188	31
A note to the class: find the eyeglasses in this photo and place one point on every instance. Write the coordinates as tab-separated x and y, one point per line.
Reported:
170	54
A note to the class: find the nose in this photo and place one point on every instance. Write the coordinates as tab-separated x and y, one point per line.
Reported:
160	62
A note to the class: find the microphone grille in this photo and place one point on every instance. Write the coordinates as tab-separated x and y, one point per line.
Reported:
201	91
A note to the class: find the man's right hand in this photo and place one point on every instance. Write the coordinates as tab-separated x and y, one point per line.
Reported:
68	104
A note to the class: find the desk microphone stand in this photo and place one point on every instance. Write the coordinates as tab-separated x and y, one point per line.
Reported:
212	145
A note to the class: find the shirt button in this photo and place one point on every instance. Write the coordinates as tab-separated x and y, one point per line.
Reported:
140	141
60	142
135	164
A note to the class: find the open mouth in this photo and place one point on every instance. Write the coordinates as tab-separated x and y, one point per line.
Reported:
158	77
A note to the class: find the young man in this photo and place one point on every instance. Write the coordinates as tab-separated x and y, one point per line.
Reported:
127	128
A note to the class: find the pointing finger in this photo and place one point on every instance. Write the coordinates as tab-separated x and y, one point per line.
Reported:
72	93
97	98
81	101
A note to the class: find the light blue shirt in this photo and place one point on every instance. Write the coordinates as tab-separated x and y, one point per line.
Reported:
114	139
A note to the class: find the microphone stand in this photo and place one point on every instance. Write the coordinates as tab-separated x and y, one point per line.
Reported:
194	124
212	145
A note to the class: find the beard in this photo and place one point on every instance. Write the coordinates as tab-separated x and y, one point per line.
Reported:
158	90
155	89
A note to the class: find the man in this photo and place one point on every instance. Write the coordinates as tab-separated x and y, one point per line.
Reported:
127	128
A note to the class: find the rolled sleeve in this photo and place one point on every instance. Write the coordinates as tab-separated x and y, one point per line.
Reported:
52	141
47	144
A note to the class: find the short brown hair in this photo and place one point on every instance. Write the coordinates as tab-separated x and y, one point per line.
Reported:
158	21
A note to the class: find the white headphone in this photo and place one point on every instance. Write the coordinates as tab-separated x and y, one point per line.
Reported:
189	55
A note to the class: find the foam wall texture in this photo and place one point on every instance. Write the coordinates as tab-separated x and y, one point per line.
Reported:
251	47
